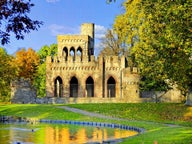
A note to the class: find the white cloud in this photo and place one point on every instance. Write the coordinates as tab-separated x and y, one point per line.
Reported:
60	29
52	1
100	31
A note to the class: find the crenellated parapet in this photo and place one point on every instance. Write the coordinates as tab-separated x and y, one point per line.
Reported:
71	59
111	62
114	62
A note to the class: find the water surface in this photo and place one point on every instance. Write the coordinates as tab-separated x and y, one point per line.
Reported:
20	133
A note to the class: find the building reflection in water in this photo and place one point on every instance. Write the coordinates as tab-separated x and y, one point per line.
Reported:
64	136
59	134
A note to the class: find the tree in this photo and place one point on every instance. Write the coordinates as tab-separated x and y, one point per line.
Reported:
27	63
47	51
112	46
40	79
7	73
14	19
160	35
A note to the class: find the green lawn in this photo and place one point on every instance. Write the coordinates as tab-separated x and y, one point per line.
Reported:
153	117
156	112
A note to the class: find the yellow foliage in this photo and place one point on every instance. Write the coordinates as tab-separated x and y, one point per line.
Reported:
188	114
27	62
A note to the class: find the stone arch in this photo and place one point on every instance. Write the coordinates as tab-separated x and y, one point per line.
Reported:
74	87
65	53
80	52
58	87
72	53
90	87
111	87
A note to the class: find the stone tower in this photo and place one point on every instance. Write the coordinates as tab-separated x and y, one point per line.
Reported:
80	45
88	29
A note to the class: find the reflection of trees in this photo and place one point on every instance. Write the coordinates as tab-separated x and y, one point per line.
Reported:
65	135
56	135
81	136
123	133
99	134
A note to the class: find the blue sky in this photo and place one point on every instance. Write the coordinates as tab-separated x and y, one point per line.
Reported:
65	17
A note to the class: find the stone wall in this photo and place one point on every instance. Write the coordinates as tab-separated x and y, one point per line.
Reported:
173	95
22	91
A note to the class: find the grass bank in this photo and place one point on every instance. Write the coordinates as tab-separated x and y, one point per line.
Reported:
157	119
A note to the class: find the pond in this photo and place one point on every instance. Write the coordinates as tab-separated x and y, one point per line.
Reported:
45	133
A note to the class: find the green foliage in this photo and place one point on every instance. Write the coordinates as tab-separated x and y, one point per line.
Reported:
40	79
149	84
159	34
47	51
7	73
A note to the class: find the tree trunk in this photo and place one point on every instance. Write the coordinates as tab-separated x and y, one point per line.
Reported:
189	98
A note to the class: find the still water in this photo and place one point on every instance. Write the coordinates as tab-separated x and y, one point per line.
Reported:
58	134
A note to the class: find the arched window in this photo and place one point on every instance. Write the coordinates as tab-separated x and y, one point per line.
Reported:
111	87
65	53
74	87
58	87
72	53
79	52
90	87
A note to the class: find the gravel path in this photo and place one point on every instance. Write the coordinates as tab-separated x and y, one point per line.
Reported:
92	114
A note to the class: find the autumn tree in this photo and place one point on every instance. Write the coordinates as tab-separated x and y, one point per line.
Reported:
40	79
14	19
7	73
111	45
160	36
27	62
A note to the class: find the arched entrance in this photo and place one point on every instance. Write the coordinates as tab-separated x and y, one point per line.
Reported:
58	87
74	87
111	87
90	87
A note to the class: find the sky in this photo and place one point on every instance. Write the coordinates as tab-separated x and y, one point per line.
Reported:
65	17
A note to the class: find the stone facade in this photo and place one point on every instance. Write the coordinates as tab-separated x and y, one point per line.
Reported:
76	75
22	91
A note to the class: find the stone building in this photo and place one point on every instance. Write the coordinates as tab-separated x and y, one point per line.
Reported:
76	75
